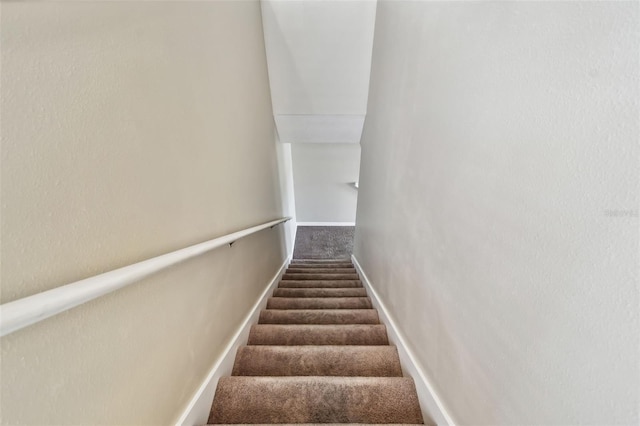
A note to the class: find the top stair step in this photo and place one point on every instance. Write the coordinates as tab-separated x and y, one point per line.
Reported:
320	261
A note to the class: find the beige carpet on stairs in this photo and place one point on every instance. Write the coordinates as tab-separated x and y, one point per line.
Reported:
317	355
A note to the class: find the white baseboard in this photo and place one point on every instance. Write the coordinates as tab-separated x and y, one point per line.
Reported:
197	411
430	403
326	224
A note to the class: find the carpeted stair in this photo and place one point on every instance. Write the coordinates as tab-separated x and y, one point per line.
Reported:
317	355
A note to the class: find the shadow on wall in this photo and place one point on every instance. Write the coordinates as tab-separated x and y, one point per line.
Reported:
324	242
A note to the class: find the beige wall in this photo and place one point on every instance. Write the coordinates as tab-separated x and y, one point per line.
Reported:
498	204
131	129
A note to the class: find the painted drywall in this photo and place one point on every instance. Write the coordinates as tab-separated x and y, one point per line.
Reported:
498	204
323	175
320	128
131	129
287	195
319	57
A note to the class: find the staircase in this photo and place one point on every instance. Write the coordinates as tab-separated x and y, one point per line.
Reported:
317	355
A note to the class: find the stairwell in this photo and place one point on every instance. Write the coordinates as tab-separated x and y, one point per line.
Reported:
317	355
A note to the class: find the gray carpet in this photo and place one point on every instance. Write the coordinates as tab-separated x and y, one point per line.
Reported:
324	242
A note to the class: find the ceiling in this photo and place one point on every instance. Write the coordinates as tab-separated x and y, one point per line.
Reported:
319	59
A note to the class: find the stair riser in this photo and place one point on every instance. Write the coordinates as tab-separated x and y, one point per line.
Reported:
267	334
320	271
364	361
320	292
319	284
315	400
315	424
321	261
319	303
317	266
319	316
332	277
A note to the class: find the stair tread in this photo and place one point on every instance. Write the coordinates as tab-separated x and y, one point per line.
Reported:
320	270
328	266
319	316
318	334
320	265
321	292
373	361
317	355
319	283
316	276
315	399
319	303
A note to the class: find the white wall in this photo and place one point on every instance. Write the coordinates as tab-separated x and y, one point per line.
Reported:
287	194
323	174
498	204
131	129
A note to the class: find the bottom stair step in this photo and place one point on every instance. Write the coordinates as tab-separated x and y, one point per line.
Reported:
315	400
364	361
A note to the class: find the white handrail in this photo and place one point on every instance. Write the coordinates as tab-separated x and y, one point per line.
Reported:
29	310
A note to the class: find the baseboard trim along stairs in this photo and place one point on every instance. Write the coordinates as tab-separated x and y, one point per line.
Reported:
433	409
317	354
197	410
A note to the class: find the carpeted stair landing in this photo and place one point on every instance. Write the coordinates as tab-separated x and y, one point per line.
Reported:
317	355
